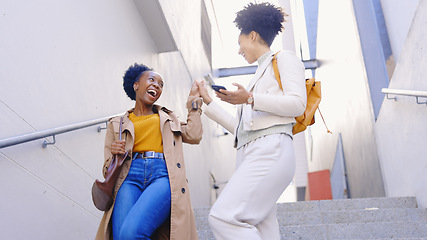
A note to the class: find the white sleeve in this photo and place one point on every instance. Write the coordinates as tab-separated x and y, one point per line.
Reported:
219	115
293	102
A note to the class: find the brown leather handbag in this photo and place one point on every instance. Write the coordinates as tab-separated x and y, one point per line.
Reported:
102	192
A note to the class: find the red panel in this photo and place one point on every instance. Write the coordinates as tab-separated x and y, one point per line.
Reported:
319	186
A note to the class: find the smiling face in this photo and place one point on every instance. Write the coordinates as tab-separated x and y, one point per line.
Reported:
149	87
247	47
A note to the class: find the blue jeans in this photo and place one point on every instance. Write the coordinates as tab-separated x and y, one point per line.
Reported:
143	202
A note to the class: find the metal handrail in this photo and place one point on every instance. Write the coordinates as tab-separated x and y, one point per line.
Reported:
7	142
411	93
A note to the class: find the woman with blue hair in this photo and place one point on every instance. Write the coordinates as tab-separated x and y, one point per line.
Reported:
265	164
151	195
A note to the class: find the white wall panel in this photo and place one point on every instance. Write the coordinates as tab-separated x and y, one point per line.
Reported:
398	17
32	209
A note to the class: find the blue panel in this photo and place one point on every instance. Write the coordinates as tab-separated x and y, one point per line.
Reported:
311	12
372	50
338	174
385	42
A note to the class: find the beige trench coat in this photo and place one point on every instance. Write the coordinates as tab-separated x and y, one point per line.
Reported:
181	225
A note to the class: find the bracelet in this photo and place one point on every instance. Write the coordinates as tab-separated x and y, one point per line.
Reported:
195	105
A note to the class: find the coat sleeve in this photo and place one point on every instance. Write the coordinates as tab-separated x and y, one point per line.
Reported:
109	138
192	130
293	101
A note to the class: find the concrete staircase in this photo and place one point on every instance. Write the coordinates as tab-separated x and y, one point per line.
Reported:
356	219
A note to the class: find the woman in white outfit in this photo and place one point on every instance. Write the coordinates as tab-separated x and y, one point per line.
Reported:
265	164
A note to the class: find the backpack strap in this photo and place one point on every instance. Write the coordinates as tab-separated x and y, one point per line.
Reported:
276	70
277	75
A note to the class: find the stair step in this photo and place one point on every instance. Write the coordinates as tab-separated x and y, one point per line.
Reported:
388	230
205	235
348	204
201	211
202	223
422	238
350	219
395	231
332	217
352	216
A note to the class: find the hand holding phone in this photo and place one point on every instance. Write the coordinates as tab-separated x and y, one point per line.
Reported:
218	87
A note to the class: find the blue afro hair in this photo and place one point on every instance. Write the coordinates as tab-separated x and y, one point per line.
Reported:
263	18
131	76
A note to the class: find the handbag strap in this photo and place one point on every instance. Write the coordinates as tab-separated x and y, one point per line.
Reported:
120	128
327	129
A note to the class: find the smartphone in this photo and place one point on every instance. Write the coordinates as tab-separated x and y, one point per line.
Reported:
218	87
208	79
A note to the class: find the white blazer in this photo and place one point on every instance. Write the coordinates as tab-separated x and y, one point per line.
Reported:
272	106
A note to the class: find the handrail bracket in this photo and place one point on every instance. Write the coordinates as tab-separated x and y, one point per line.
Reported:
418	101
102	128
390	98
45	142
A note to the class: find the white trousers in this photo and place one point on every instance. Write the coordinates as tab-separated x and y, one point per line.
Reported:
246	208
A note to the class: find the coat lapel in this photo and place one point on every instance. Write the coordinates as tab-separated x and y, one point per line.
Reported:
165	115
127	124
259	72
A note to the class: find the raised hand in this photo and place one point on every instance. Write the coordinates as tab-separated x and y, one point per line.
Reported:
204	92
194	90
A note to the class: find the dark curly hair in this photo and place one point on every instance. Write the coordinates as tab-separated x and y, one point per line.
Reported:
263	18
131	76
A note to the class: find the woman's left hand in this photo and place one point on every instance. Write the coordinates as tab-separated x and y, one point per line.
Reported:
239	96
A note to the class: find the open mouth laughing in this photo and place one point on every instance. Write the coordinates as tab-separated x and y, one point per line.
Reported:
152	93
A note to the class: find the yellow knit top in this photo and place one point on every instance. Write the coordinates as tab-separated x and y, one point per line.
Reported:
148	136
